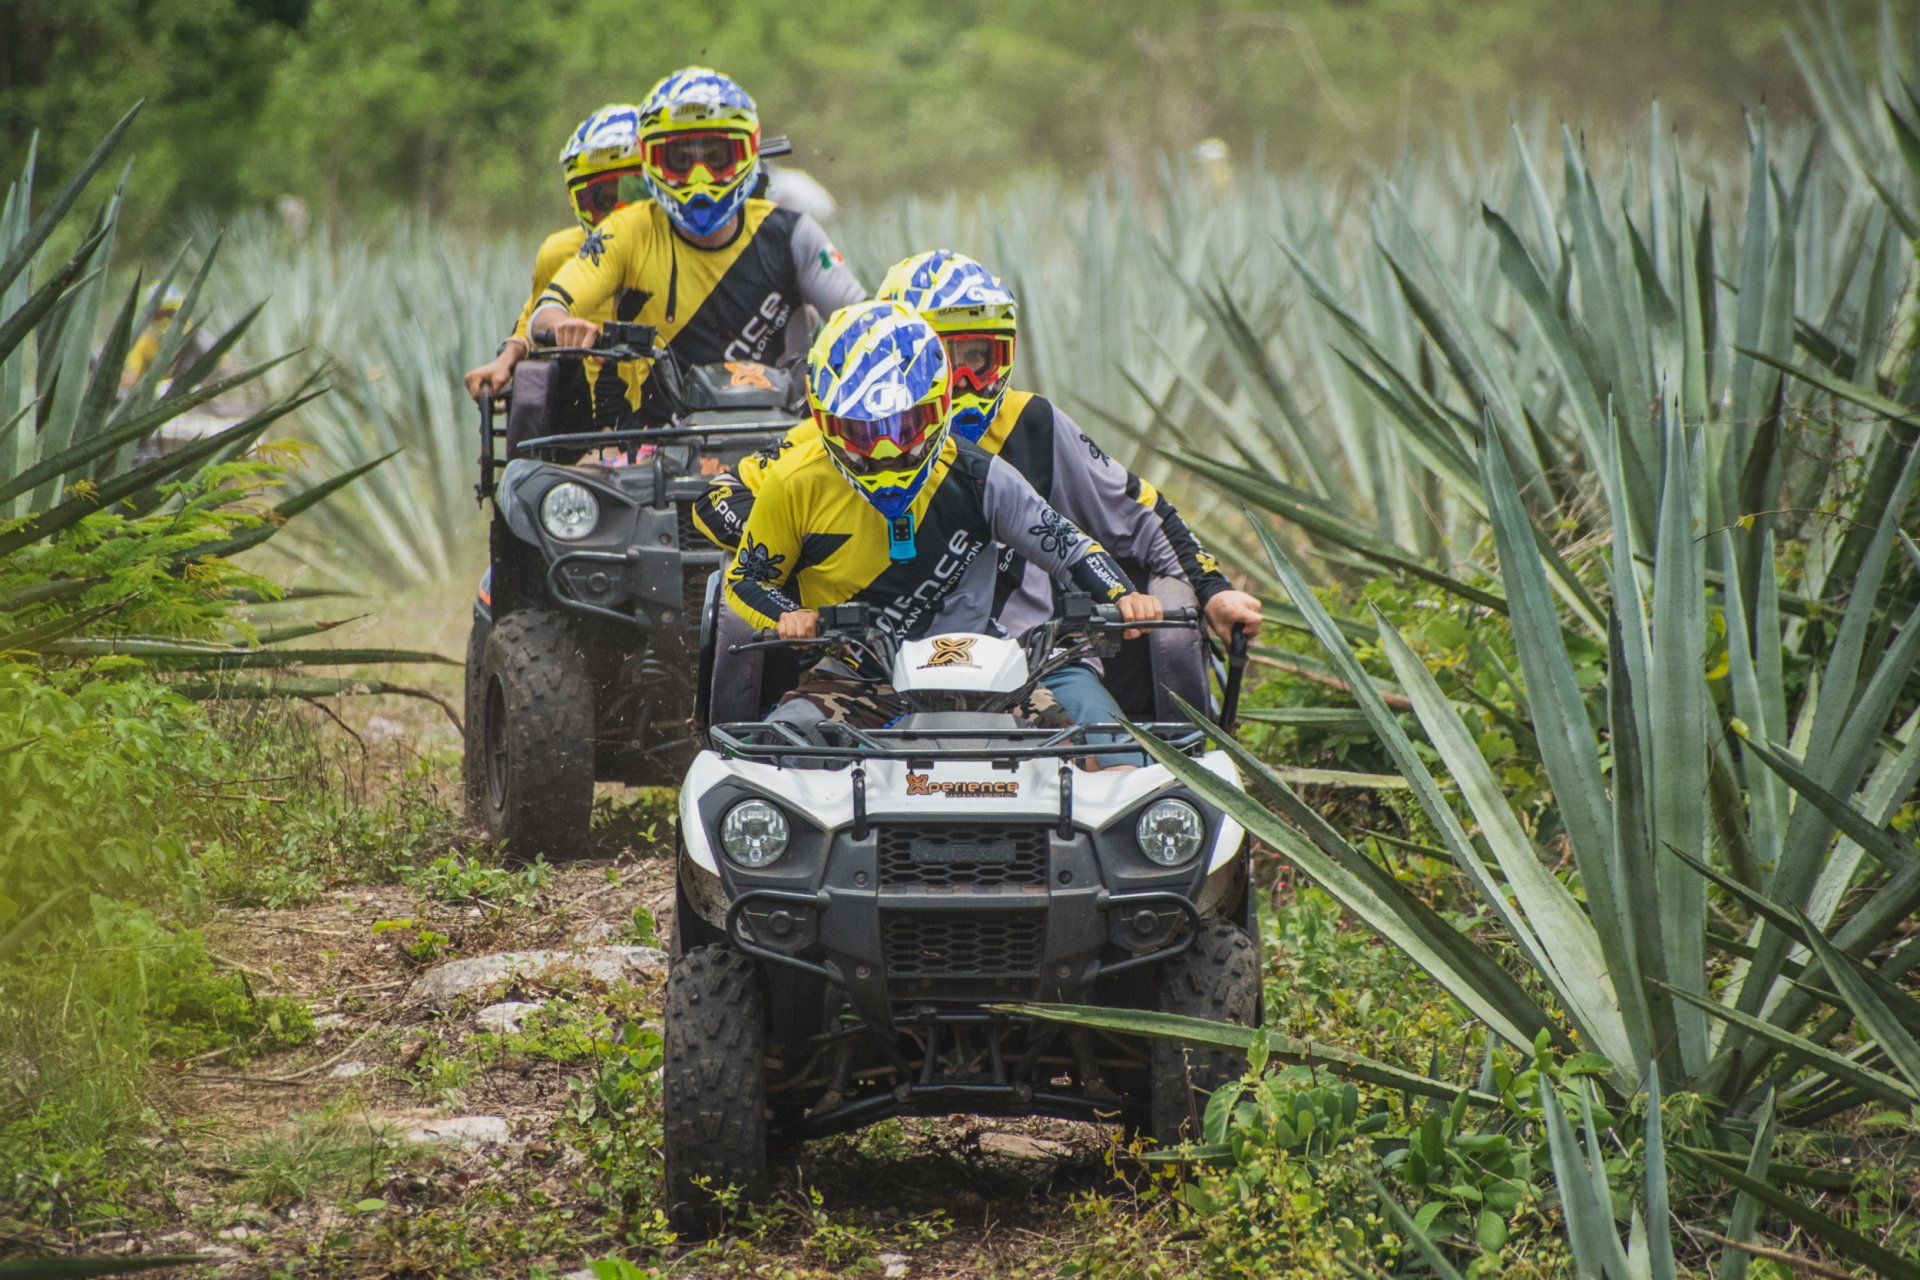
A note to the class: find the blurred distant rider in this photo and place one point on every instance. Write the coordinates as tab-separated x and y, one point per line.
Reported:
722	276
601	163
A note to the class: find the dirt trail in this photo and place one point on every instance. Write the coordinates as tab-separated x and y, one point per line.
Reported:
510	1194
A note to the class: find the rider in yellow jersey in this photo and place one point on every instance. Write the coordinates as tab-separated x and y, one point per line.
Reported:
721	276
882	505
975	317
601	162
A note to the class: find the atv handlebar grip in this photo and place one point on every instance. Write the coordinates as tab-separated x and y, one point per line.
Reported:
543	336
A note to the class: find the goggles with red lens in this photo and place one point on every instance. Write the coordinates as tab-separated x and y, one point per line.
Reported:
675	156
599	194
980	361
909	431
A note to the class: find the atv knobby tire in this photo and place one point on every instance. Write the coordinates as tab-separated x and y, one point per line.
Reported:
1217	978
535	736
714	1087
473	766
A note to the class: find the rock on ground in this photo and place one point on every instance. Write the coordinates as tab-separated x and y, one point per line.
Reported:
505	1018
462	1131
457	978
1019	1146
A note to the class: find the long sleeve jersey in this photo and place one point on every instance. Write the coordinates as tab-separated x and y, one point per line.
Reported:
615	387
743	300
812	540
1124	512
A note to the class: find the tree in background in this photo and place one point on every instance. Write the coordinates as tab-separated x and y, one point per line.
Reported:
360	105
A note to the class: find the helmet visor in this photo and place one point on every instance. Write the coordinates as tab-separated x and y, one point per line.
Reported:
675	156
863	444
980	362
599	194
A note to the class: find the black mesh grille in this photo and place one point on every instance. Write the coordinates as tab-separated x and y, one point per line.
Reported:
940	854
923	944
690	536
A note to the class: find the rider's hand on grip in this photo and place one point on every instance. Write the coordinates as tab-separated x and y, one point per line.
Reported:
569	332
1139	607
800	624
1231	611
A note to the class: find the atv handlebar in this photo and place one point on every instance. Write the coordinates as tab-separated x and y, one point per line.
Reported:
619	341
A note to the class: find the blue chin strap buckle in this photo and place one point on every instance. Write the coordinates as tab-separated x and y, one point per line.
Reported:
900	537
969	424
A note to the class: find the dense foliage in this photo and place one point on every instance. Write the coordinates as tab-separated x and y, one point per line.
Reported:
358	105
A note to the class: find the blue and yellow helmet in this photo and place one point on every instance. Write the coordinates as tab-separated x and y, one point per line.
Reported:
976	318
601	162
700	148
877	383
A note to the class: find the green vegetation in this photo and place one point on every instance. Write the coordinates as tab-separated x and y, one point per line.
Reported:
1580	478
119	614
1686	829
356	106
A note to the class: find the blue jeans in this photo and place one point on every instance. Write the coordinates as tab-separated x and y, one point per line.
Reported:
1084	699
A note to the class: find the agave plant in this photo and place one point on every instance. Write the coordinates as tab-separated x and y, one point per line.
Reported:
90	531
1708	410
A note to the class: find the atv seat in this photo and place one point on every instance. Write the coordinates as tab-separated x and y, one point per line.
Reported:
1148	671
737	686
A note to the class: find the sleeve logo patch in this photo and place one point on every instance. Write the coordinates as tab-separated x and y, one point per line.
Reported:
594	247
830	258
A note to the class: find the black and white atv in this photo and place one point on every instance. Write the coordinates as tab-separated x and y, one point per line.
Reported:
855	908
583	659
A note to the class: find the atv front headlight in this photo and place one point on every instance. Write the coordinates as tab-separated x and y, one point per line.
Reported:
569	511
1170	832
754	833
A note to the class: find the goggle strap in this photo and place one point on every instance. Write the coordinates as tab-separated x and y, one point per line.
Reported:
900	537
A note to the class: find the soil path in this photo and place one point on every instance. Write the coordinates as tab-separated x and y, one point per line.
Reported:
474	1167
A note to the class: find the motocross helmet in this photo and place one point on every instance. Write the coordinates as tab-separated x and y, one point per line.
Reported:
877	384
602	163
700	148
974	315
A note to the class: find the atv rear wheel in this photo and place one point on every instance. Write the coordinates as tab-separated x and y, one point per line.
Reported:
473	765
1217	978
714	1085
534	734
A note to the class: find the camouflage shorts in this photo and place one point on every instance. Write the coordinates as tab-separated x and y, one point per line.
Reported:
841	700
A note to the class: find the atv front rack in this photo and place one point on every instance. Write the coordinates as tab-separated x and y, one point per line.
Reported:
774	742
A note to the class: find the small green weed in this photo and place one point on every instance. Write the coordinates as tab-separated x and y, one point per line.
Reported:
327	1155
613	1119
454	878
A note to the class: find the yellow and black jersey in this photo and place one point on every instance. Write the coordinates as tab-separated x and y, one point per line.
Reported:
812	540
1124	513
614	387
736	301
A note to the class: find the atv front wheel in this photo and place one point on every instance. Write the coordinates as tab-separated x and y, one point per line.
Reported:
535	737
1217	978
714	1086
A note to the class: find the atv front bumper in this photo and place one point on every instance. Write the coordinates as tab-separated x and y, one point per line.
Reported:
942	913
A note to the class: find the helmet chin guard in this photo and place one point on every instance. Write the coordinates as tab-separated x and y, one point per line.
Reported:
877	382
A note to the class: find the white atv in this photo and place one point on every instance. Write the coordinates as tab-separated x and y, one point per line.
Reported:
856	907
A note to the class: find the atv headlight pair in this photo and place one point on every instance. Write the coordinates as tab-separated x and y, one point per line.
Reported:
1170	832
754	833
569	511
